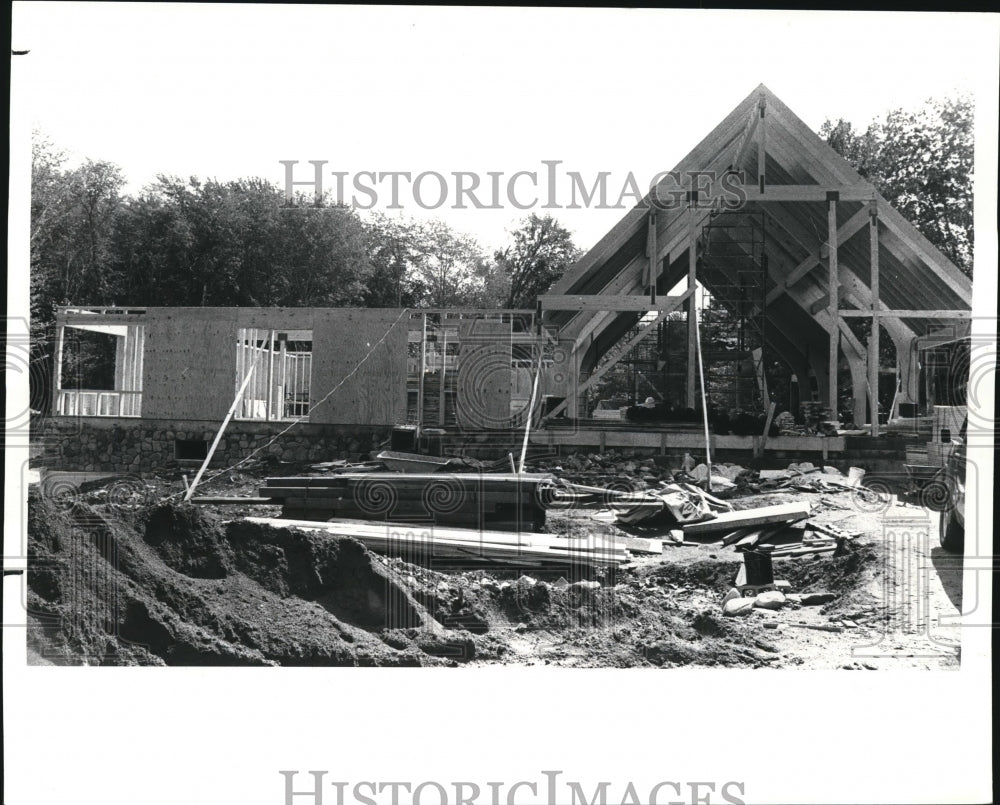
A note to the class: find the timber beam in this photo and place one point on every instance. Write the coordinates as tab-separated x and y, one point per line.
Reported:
884	313
814	260
861	191
621	303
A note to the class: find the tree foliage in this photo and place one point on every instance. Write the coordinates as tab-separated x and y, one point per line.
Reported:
922	163
541	251
424	264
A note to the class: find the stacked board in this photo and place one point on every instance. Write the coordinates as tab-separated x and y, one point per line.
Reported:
499	501
416	543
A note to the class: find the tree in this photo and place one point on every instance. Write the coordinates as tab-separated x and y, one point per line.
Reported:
237	243
541	251
922	163
423	263
72	220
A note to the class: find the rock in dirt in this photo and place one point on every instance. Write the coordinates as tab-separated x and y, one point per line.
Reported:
731	595
815	599
770	599
738	607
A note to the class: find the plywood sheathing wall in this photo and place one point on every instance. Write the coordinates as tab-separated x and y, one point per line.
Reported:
484	374
189	363
376	393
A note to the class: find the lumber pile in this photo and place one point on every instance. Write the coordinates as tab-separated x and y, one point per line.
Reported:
764	515
788	538
500	501
416	542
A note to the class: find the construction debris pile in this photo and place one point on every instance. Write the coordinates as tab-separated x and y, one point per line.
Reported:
446	561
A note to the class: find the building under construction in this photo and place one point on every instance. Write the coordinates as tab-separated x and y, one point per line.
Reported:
743	286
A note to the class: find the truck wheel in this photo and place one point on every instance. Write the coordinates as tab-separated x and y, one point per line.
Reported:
951	533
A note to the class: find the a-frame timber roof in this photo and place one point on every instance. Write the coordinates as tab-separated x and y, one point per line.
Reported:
788	173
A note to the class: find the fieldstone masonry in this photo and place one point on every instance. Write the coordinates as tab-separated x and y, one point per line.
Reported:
138	446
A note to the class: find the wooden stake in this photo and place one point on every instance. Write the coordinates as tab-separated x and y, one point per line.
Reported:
531	408
692	307
423	367
58	361
704	400
873	342
444	351
834	304
222	428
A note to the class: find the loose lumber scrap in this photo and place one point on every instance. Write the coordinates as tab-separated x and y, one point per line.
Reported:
639	544
737	535
803	551
221	500
464	543
819	627
713	501
764	515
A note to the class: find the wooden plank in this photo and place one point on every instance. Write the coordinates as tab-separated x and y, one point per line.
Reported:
767	424
222	428
742	145
615	303
221	500
692	308
765	515
638	544
873	341
471	542
653	267
914	313
762	145
834	305
58	368
423	370
635	437
398	478
813	261
816	193
851	339
738	534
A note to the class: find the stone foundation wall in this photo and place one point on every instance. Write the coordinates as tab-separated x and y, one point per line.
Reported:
142	445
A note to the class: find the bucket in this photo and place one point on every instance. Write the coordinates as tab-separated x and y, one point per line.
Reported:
854	476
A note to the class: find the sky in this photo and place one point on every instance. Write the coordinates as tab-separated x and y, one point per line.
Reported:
230	91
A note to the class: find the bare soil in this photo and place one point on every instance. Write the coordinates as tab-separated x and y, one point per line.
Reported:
139	580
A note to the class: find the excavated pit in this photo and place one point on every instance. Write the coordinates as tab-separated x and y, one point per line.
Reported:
174	584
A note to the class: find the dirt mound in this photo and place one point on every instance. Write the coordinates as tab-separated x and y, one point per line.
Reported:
189	541
175	584
99	593
338	574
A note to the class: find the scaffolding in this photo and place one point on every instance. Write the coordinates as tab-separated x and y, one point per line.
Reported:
733	252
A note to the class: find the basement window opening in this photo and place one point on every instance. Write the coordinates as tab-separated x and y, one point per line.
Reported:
190	449
279	366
